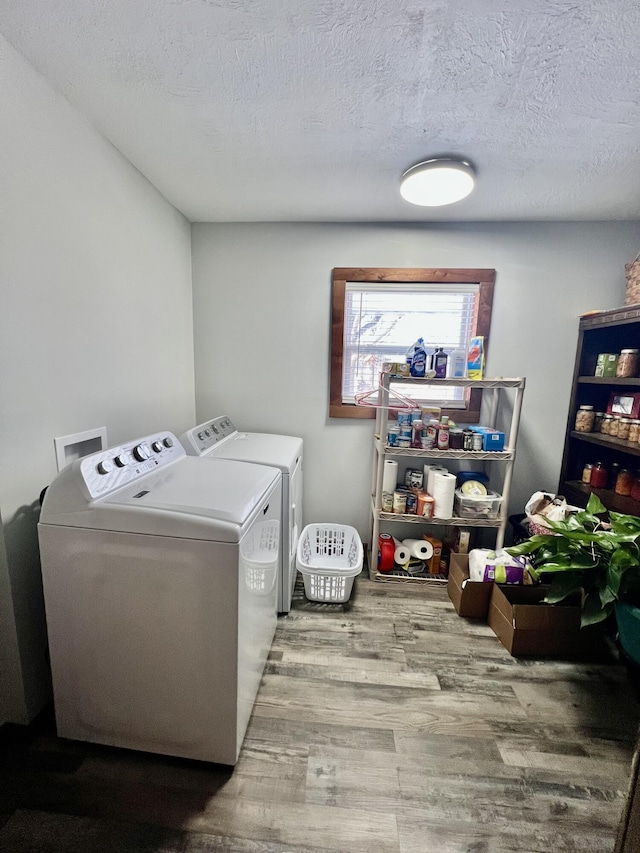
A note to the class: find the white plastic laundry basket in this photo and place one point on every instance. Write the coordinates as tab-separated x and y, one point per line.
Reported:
329	556
259	556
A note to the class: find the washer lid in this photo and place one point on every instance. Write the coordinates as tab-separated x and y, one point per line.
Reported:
185	499
229	492
281	451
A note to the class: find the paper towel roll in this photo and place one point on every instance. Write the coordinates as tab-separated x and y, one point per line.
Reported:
431	480
389	476
444	487
402	555
419	548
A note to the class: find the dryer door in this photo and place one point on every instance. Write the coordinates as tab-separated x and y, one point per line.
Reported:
295	529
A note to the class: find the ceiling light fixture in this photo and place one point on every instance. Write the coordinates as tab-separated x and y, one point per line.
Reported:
441	180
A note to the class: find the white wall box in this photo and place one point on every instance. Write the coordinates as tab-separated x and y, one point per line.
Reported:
494	396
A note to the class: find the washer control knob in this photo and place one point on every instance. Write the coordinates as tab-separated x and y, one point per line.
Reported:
168	442
157	446
120	460
207	433
105	467
201	436
142	452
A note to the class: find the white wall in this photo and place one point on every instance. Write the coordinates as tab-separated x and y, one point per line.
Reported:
95	329
262	327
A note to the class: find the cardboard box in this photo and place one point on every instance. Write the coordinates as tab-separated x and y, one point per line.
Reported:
607	364
492	439
469	598
526	626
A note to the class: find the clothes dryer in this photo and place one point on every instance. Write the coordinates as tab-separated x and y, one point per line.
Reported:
160	585
219	439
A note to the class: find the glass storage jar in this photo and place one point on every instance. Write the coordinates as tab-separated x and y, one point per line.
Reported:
612	475
584	419
624	483
586	473
635	488
597	421
605	426
614	426
598	476
623	428
634	430
628	361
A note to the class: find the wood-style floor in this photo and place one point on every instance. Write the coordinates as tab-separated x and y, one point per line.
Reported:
389	725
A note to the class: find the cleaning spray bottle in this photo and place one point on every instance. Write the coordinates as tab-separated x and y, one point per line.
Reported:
417	358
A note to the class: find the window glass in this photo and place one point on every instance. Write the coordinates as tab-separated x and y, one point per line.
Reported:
382	321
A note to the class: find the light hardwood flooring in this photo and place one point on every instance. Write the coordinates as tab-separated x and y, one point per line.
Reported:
387	725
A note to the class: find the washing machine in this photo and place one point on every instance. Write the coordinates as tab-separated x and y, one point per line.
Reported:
219	439
160	587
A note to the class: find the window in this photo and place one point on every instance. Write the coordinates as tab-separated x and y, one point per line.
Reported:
379	313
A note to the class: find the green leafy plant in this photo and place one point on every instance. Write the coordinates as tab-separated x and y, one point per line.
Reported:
588	553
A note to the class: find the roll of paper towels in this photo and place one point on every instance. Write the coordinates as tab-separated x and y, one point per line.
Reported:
433	470
389	476
444	487
402	554
419	548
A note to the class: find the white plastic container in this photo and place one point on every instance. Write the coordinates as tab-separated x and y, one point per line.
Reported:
477	506
329	556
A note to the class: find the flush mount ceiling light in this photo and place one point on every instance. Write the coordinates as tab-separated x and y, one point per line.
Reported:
439	181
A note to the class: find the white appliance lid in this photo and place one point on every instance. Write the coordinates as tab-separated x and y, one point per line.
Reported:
281	451
229	492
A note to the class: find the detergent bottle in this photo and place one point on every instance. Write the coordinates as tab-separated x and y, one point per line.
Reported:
417	358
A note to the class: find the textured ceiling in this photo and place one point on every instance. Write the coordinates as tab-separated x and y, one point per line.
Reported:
249	110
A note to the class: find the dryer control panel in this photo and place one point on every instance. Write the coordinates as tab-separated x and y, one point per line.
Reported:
109	470
210	433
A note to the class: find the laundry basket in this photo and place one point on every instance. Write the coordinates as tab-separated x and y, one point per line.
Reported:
259	556
329	556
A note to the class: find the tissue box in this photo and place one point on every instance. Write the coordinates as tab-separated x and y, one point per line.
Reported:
469	598
526	626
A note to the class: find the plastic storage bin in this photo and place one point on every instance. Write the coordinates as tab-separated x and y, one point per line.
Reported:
329	556
477	506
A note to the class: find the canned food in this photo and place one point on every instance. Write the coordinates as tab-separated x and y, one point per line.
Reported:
393	434
400	502
411	505
467	439
404	442
386	504
476	443
404	418
427	507
417	478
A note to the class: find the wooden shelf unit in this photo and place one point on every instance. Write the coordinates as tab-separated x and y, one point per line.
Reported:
606	331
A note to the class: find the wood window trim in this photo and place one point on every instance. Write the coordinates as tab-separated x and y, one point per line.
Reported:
485	278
